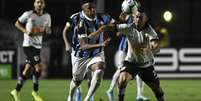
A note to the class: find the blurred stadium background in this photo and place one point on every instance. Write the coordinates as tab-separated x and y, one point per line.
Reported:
177	23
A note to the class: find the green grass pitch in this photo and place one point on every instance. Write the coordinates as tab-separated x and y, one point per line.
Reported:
56	90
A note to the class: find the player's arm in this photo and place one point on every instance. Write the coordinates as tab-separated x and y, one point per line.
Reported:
66	30
155	45
103	28
48	25
83	38
154	40
20	27
122	28
86	46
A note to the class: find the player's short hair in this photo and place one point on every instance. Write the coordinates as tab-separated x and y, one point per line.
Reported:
143	10
86	1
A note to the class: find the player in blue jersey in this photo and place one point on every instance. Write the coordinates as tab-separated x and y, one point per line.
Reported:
89	52
119	58
70	42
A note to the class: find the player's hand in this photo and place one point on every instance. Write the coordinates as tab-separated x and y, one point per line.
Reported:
68	48
29	33
146	50
106	42
48	30
122	16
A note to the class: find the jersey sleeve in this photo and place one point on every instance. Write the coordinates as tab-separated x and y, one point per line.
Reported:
108	19
49	22
23	18
124	28
152	33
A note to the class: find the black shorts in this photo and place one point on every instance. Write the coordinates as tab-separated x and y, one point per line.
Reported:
32	55
147	74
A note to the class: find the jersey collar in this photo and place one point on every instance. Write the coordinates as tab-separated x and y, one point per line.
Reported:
90	19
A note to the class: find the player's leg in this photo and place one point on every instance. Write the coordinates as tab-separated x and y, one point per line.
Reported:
140	89
123	81
36	75
73	86
119	58
21	80
113	83
98	71
26	72
89	75
149	76
78	72
78	95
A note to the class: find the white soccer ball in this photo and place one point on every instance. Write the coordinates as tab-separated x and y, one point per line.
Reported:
129	6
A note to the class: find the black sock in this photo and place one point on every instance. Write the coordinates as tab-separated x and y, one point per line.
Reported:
18	87
121	97
20	83
35	87
161	98
35	81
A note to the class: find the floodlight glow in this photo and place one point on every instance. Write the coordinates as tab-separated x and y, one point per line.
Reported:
167	16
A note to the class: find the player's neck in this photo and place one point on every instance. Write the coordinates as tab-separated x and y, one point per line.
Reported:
38	12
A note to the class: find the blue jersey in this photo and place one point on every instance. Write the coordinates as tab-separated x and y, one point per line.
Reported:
74	19
87	26
123	46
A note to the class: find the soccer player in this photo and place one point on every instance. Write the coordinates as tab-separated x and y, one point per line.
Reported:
143	44
119	58
122	50
34	24
70	41
89	53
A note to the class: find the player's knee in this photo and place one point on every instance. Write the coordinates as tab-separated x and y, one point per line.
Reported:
27	71
77	82
97	66
38	67
99	73
123	80
37	74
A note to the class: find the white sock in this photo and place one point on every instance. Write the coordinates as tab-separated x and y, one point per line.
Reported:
95	83
73	87
114	80
140	86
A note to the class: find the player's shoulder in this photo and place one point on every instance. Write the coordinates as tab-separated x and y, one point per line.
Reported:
46	13
28	12
75	15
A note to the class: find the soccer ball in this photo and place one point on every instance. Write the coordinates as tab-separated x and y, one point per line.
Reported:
129	6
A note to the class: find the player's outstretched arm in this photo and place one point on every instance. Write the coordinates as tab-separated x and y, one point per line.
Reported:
103	28
85	46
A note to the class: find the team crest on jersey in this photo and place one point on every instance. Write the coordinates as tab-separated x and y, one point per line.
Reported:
36	58
81	23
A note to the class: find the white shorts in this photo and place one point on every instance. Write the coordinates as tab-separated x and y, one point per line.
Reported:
119	59
80	66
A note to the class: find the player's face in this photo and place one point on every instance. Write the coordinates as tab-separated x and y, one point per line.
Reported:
90	10
39	5
140	18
